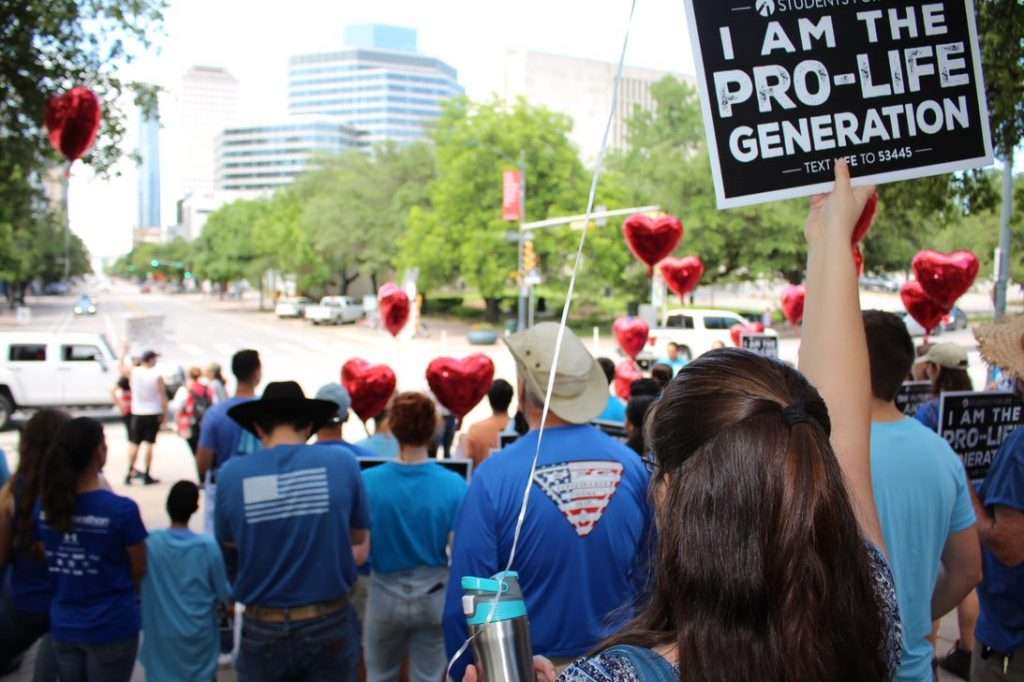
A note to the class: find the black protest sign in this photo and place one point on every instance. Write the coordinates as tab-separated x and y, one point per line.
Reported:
912	395
787	86
976	424
762	344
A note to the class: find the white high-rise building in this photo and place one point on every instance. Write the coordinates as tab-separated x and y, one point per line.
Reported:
581	89
379	83
208	100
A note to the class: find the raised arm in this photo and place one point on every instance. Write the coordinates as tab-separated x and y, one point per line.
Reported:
833	349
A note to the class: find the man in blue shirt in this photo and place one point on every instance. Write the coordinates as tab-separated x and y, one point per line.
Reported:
330	434
615	407
674	359
298	518
220	438
184	584
923	500
582	554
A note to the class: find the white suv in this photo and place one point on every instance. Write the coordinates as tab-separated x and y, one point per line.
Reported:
695	330
42	369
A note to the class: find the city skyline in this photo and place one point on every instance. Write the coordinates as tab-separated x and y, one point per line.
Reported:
467	36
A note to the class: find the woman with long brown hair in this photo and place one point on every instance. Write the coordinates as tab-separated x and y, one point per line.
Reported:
26	613
770	563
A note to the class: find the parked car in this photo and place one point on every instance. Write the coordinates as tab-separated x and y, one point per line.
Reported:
878	283
292	307
57	289
695	330
334	310
66	370
85	306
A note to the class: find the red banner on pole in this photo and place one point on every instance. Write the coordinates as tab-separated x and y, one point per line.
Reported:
511	195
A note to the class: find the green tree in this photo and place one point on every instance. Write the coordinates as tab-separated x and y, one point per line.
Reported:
461	236
228	249
36	252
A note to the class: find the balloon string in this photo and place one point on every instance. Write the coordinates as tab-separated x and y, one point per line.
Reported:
598	168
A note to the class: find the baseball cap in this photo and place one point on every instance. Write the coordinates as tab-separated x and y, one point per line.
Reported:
150	355
948	355
580	389
336	393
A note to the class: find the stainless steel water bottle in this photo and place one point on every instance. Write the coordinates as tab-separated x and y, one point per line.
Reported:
496	614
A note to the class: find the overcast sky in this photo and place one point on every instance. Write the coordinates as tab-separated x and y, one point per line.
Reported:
253	40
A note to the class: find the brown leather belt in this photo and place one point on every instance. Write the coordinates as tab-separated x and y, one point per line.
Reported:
295	614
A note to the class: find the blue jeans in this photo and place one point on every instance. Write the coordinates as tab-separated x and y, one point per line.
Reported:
324	649
110	662
403	618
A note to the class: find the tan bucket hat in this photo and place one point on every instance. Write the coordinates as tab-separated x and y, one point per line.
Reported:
581	390
1002	344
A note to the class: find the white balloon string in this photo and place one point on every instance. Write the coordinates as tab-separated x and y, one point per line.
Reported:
595	179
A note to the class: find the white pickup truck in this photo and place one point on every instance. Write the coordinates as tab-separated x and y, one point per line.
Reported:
695	330
67	370
334	310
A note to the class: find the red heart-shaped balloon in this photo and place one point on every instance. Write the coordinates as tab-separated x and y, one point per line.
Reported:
682	275
651	240
73	121
738	330
793	298
369	386
866	220
460	384
945	277
393	303
927	311
626	372
631	333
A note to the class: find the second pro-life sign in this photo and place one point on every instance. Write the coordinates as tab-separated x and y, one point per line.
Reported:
787	86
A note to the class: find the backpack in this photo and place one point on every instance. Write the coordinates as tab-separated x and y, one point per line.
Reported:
201	402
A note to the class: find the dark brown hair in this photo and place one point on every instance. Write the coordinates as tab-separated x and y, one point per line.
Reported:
71	454
36	439
413	418
761	571
949	379
891	352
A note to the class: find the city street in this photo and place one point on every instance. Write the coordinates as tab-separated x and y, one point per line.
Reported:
202	329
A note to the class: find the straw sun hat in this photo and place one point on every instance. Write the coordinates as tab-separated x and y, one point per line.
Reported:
1002	344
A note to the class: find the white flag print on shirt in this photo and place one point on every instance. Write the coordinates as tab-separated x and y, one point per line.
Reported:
282	496
582	490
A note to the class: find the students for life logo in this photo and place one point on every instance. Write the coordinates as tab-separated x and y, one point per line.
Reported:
581	490
765	8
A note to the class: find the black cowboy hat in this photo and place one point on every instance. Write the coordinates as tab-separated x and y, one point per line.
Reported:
283	399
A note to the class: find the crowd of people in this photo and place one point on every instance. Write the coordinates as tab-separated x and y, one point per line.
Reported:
754	520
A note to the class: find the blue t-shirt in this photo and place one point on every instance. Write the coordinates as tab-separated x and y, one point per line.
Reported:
31	585
676	364
94	599
928	414
380	445
185	580
413	507
1001	592
351	448
221	433
5	471
583	552
614	411
922	496
290	511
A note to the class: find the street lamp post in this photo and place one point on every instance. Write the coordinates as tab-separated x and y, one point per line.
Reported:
524	236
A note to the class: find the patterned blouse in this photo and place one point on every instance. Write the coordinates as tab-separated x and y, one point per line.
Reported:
616	668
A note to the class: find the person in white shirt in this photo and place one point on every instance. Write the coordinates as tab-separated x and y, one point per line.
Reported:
149	407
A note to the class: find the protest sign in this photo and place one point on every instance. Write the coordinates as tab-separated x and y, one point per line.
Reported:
912	395
145	333
786	86
761	344
976	424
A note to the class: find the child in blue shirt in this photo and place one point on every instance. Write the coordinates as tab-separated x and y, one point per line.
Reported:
185	582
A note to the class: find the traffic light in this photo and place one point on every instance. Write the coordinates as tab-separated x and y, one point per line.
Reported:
529	257
154	263
188	275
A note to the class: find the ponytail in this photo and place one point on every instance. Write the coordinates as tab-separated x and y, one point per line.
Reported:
70	456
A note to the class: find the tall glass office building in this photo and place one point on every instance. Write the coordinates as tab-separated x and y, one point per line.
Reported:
379	83
149	171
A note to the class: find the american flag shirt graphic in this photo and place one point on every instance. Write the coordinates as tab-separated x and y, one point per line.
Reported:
581	490
282	496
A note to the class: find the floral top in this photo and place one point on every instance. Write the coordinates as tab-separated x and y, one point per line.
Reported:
612	666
